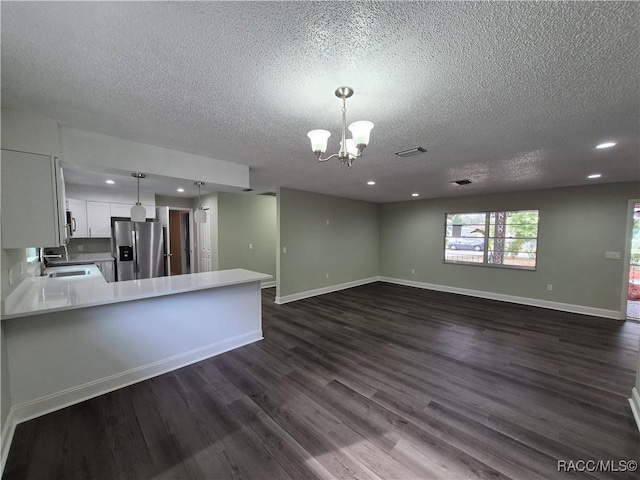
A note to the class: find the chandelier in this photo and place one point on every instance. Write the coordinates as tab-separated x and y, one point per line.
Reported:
350	148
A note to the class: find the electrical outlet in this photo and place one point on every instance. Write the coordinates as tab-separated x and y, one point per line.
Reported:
80	248
251	246
327	221
549	288
11	277
612	255
413	271
284	249
327	275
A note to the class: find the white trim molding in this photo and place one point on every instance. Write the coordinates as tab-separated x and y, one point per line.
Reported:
634	401
6	437
270	284
80	393
534	302
321	291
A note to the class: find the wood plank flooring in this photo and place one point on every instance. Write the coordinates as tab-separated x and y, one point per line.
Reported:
378	381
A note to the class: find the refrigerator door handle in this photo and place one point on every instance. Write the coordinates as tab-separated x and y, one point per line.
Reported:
134	240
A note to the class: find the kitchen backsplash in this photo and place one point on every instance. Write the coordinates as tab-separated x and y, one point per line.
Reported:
85	245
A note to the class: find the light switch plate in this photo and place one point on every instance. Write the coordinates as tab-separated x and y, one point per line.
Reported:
612	255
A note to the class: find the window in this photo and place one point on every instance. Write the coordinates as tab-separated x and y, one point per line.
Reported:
501	239
32	254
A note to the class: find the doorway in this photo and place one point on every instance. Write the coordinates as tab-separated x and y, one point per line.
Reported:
633	263
180	241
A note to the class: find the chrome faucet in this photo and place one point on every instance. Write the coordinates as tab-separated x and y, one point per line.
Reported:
43	260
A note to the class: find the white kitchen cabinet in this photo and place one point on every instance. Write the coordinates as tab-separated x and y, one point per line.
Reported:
99	219
33	203
124	210
121	210
107	270
79	226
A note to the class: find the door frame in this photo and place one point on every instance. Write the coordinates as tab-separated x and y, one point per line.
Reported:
191	243
627	259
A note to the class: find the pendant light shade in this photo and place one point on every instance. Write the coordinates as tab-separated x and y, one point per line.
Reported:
138	212
200	215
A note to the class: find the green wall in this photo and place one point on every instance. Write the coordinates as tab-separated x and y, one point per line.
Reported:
242	220
576	226
346	248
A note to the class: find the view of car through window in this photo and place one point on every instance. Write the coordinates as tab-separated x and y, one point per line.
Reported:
506	238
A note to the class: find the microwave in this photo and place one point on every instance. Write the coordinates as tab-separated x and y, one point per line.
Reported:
70	223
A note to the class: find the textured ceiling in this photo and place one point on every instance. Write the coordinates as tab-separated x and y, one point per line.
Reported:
513	95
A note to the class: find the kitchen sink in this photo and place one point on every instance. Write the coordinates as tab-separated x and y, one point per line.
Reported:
72	273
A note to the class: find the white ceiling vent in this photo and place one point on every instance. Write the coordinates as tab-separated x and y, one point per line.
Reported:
411	152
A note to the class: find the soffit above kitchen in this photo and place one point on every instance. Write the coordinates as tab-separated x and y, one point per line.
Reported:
511	95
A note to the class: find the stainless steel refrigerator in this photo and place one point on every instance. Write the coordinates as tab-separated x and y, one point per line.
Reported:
139	249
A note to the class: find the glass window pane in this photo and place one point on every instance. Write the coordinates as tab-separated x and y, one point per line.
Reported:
466	237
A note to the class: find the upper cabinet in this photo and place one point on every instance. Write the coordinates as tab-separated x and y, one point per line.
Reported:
99	219
78	211
33	203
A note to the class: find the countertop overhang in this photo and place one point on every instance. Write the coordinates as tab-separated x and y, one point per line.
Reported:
40	295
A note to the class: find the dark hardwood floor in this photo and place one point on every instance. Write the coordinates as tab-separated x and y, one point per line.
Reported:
378	381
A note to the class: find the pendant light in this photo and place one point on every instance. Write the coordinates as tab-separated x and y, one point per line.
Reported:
138	212
200	216
350	148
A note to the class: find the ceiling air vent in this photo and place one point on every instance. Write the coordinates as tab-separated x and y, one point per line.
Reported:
247	189
268	194
411	152
462	182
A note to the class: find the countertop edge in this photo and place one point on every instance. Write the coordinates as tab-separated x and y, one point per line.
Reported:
256	277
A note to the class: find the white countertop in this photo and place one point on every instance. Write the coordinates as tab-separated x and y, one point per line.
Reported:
38	295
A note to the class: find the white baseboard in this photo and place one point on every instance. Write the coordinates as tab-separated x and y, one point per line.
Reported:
534	302
8	428
268	284
323	290
634	401
56	401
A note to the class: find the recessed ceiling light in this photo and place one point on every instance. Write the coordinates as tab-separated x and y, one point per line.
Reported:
415	194
110	182
181	190
371	182
606	145
595	175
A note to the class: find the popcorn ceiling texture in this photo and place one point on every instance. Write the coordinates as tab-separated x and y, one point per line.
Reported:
513	95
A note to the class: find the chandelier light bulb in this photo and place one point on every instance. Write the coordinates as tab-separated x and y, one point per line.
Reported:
319	140
361	131
351	147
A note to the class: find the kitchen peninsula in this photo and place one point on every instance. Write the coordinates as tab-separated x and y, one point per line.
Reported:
74	336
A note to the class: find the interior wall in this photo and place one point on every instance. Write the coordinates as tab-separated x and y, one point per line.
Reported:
5	386
103	152
247	232
87	245
182	202
577	225
324	236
